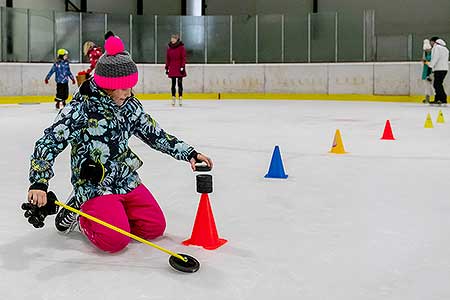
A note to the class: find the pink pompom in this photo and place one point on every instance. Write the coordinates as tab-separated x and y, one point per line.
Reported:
114	45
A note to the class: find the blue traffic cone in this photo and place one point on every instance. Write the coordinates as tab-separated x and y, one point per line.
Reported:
276	169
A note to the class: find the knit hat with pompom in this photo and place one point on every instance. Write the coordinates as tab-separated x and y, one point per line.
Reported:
115	69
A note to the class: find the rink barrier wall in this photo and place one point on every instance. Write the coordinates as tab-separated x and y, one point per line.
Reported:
396	81
230	97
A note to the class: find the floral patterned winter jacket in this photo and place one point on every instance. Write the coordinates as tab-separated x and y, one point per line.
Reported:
98	129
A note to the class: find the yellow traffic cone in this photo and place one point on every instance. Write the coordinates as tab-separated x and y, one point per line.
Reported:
338	146
440	118
428	122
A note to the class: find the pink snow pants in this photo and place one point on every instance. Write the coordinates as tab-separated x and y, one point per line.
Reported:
136	212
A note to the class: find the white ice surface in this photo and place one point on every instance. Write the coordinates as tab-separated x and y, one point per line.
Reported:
371	224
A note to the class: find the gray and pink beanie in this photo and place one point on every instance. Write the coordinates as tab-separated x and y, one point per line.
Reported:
115	69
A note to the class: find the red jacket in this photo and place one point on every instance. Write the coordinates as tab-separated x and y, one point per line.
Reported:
176	59
94	54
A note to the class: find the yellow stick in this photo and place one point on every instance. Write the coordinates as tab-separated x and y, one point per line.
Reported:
117	229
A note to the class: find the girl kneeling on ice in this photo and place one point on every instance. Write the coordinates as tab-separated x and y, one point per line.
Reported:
98	123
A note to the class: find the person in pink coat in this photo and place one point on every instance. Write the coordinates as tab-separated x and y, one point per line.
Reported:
176	66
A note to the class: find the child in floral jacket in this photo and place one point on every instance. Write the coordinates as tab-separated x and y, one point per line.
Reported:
98	123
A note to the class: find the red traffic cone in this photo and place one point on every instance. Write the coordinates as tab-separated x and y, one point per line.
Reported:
204	232
387	134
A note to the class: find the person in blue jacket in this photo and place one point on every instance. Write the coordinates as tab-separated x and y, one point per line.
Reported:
62	72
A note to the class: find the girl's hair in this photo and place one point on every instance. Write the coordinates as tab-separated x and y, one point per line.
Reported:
175	35
86	46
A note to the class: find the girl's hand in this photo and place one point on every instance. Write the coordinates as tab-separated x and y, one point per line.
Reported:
202	158
37	197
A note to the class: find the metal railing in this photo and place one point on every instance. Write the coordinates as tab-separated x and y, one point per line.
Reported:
34	36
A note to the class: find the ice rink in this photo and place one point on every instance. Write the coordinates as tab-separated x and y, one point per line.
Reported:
371	224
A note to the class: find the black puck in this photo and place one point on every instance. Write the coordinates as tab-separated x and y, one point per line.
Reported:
204	184
190	266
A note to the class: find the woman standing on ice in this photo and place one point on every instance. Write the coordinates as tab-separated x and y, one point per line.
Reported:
98	123
176	66
439	65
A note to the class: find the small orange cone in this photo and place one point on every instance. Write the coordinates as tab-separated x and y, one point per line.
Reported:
204	232
387	134
338	146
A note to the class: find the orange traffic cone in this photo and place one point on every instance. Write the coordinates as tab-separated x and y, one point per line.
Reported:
204	232
387	134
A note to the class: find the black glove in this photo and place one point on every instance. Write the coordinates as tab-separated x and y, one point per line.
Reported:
36	215
92	171
182	70
194	155
167	71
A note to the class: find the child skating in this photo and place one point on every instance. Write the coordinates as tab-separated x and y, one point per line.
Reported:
426	71
98	123
93	52
61	68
